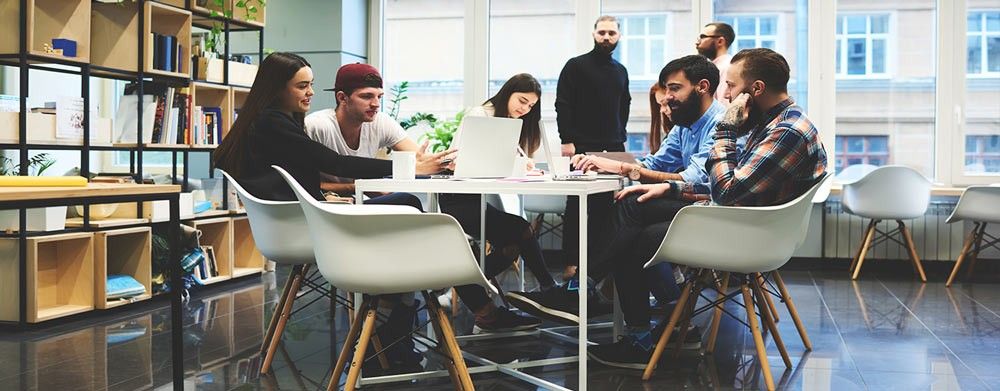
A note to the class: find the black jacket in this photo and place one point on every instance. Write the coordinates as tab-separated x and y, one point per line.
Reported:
592	100
277	139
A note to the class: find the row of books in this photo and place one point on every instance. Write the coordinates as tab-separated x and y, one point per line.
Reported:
207	267
171	116
167	53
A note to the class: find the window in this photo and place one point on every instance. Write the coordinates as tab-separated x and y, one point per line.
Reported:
853	150
982	154
862	45
643	45
752	31
983	43
637	144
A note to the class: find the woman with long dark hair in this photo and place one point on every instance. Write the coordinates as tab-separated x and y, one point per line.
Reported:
659	123
269	131
509	235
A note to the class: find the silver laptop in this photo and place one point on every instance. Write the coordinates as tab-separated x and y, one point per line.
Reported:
487	147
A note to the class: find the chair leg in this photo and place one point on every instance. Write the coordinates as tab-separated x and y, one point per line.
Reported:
377	344
757	338
864	249
449	364
349	342
352	307
767	319
717	318
286	311
787	298
454	302
961	256
913	250
674	317
451	344
273	324
975	251
686	318
359	352
767	298
857	256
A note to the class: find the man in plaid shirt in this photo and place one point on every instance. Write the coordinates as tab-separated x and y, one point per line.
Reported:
782	159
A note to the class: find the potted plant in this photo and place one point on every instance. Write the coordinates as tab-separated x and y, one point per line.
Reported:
52	218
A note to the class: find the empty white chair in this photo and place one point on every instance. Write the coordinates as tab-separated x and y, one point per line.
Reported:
760	240
887	193
851	174
980	205
385	249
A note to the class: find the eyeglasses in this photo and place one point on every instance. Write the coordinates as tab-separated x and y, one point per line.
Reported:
703	36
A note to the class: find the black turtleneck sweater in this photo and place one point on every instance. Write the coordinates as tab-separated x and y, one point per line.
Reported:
592	100
278	140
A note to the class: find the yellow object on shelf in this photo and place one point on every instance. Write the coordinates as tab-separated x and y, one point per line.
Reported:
42	181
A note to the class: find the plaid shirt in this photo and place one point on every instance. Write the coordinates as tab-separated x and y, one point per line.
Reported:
783	158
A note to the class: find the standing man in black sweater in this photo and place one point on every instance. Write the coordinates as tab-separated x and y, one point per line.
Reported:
592	107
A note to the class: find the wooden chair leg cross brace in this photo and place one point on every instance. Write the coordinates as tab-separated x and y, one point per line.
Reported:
873	236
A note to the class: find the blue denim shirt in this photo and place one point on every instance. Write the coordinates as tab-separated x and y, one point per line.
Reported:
685	149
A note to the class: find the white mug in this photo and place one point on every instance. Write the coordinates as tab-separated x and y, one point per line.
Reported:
404	165
520	167
559	165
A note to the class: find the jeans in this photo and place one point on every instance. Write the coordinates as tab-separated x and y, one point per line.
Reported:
598	213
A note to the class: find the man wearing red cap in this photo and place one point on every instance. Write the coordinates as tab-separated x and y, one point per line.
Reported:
356	127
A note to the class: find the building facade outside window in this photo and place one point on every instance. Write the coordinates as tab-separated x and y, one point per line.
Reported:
643	46
982	153
984	43
853	150
862	45
753	31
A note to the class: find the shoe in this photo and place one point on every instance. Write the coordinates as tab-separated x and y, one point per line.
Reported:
692	340
507	320
559	304
622	354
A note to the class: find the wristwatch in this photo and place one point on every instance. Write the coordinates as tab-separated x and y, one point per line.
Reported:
634	174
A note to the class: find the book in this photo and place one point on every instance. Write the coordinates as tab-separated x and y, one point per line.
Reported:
213	131
126	119
168	47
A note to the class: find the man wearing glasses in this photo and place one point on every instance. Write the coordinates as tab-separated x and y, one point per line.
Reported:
714	42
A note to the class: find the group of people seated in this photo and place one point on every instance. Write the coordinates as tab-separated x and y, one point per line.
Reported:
753	146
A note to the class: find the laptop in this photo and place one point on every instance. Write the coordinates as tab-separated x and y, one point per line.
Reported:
487	147
551	148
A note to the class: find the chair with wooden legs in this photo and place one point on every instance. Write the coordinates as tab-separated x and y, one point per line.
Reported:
981	206
761	239
893	193
428	251
280	232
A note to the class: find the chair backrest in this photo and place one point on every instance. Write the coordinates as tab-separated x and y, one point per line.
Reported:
278	227
382	249
545	204
757	239
853	173
888	193
978	203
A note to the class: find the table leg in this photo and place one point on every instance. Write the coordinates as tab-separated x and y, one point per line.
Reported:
582	275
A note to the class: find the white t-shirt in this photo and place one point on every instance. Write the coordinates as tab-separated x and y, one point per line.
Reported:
383	132
722	62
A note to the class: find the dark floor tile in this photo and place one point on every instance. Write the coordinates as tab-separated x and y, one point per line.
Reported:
920	381
816	378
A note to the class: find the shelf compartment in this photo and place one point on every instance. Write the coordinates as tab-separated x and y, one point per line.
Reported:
167	20
47	19
247	258
218	233
211	95
42	130
60	276
123	251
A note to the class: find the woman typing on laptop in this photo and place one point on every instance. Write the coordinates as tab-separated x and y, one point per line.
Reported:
508	234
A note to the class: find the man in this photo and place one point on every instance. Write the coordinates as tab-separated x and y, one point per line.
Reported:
782	159
592	107
714	42
356	127
690	83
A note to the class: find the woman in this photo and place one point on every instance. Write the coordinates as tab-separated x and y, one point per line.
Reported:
659	122
269	131
509	234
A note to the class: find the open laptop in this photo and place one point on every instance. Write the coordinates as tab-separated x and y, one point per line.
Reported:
487	147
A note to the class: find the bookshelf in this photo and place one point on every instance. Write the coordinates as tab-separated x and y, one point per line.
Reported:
213	95
123	251
169	21
218	233
247	259
60	271
47	19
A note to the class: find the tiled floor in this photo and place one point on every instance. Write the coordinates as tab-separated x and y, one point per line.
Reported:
877	333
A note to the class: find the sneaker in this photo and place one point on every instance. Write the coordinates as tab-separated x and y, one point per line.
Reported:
622	354
507	320
692	340
559	304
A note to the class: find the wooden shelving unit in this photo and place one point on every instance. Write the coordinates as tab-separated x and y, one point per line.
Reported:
123	251
242	15
47	19
247	259
213	95
218	233
167	20
60	272
239	97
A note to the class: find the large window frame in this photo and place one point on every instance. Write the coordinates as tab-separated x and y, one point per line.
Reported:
735	20
982	35
651	69
949	137
844	36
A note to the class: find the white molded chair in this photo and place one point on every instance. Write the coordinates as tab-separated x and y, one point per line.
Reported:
761	240
981	205
853	173
386	249
887	193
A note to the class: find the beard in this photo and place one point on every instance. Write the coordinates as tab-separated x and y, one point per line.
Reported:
687	112
708	52
605	47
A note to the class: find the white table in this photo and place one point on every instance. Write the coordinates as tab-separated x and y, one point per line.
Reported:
579	189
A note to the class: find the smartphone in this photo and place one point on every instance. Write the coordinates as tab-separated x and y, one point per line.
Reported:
447	161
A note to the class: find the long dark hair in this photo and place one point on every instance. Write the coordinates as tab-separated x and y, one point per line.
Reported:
272	79
531	134
659	124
